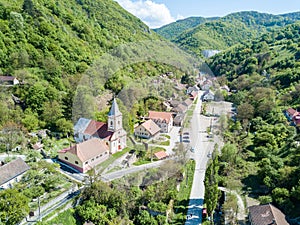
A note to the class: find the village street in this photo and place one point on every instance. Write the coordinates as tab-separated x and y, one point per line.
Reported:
203	148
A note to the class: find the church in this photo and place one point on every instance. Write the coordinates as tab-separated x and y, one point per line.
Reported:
112	132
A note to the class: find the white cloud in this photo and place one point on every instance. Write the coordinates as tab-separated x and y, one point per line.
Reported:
153	14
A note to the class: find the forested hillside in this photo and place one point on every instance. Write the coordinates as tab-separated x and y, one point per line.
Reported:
172	30
221	33
48	45
262	151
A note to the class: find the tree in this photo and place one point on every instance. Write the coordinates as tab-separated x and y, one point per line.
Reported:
52	112
13	206
30	121
211	184
144	218
64	126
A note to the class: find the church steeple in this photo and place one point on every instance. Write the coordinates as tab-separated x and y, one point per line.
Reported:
114	117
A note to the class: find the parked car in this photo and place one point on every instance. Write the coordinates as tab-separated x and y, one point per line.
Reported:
186	140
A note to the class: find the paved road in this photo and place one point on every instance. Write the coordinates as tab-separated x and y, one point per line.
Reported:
121	173
202	146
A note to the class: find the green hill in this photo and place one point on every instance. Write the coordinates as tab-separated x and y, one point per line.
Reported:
172	30
49	45
221	33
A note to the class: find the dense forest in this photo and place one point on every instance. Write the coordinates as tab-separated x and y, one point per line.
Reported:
262	150
197	34
49	45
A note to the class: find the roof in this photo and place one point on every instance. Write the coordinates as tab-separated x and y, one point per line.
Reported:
88	149
291	111
114	110
174	103
151	127
81	125
266	215
7	78
93	127
187	102
180	108
178	118
160	115
12	170
161	155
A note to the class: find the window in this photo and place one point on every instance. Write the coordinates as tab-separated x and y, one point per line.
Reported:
76	162
86	162
105	153
97	157
93	159
66	158
101	155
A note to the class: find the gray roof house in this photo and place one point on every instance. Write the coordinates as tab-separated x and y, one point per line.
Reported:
266	215
12	172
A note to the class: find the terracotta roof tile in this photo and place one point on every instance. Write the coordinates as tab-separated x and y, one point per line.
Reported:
151	127
160	115
88	149
161	155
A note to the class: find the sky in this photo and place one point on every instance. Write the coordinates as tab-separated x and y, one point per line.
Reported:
156	13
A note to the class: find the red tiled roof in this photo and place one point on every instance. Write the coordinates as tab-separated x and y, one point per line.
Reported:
88	149
160	115
98	129
161	155
291	111
151	127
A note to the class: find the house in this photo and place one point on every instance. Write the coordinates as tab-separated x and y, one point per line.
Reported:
147	129
112	132
178	120
208	96
192	89
8	80
182	108
294	116
86	155
163	119
290	113
161	155
206	85
188	102
12	172
193	95
38	146
266	215
174	103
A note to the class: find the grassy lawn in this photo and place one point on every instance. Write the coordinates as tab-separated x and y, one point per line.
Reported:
182	200
66	218
102	166
147	158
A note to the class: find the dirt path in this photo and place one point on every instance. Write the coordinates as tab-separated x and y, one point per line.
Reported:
241	216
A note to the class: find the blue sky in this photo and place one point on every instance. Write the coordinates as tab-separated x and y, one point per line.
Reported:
156	13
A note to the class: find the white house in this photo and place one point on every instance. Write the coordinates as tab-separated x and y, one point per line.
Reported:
86	155
163	119
12	172
208	96
148	129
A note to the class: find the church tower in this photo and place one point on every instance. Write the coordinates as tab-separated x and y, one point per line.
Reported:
114	118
